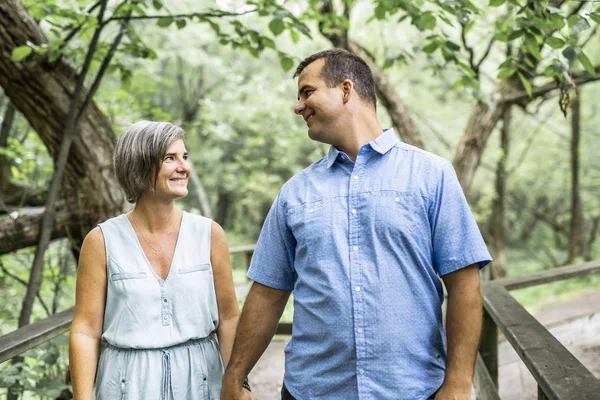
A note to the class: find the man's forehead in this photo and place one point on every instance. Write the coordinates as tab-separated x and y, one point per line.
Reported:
311	72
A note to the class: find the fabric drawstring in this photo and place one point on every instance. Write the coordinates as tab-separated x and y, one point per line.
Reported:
166	376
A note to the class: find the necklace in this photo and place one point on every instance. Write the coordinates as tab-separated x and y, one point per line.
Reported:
154	250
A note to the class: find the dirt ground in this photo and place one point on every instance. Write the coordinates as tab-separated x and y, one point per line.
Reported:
575	323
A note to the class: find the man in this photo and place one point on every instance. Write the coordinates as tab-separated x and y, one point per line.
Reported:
360	237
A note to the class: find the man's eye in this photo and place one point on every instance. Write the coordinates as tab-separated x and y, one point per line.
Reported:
308	92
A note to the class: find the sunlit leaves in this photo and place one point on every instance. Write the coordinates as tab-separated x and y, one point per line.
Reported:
555	42
526	84
20	53
496	3
276	26
587	64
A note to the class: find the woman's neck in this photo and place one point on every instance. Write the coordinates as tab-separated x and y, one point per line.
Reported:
154	215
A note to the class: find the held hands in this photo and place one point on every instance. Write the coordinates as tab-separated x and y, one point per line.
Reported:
453	393
229	393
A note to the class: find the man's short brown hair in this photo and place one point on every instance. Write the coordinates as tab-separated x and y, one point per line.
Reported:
340	65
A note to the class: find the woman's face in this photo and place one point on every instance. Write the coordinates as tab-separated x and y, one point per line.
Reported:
174	172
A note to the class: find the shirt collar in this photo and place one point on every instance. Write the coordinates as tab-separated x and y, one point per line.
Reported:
382	144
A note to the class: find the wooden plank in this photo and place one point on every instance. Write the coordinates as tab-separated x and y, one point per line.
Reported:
284	328
484	385
558	373
488	348
245	248
32	335
551	275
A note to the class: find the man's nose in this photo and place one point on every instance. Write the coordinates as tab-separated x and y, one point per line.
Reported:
299	107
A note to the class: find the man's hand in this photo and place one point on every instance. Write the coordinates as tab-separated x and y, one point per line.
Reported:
229	393
449	393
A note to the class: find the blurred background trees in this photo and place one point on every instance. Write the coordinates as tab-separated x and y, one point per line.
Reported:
503	88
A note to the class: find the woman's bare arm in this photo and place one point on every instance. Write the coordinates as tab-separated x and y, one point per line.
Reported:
229	312
89	314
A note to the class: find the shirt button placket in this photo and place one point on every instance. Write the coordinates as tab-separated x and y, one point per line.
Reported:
166	315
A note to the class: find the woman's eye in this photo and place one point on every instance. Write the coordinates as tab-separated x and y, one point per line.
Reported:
170	158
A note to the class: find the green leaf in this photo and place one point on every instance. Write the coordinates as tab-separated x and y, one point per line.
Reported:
295	37
501	36
573	19
181	23
595	16
388	63
515	34
525	83
427	21
164	21
452	46
20	53
380	11
581	25
268	42
286	63
276	26
557	21
585	61
571	53
505	73
431	47
496	3
157	4
554	42
469	26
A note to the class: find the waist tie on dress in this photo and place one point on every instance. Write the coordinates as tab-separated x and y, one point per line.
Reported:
165	390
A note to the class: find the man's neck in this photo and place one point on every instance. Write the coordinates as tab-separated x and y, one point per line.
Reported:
360	131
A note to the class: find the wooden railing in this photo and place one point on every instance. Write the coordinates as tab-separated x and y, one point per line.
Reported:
32	335
558	373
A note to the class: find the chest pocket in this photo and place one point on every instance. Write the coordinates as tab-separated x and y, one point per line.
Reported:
194	268
127	275
398	213
310	222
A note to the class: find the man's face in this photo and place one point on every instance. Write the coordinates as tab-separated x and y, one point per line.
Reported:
319	104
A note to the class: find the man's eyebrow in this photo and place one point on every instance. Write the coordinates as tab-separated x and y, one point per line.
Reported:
302	89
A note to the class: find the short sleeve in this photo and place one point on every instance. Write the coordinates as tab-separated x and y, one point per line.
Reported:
456	239
273	259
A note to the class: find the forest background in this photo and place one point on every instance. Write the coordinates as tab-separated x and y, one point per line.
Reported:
503	88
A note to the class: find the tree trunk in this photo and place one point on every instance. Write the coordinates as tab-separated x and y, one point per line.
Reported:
9	117
42	93
498	267
577	240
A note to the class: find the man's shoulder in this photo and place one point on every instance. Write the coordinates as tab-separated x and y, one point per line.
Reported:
306	175
420	154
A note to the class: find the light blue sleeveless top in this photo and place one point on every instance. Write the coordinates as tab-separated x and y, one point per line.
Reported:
159	334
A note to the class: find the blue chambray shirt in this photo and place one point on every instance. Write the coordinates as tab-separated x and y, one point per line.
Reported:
361	245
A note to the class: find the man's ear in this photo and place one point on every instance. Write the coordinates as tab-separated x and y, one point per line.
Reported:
346	87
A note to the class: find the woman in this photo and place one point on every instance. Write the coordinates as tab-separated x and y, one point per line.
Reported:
154	285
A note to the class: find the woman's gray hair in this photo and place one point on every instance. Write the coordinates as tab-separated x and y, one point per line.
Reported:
139	155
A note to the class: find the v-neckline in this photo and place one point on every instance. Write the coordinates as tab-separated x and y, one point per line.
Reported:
141	249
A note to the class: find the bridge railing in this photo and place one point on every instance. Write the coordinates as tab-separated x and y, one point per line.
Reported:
558	373
30	336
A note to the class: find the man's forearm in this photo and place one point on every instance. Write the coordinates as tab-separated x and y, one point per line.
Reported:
258	323
463	328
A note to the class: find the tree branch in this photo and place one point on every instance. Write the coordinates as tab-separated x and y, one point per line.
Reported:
463	37
579	79
486	53
221	14
49	213
24	283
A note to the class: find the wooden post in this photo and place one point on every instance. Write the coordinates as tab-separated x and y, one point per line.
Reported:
248	259
541	394
489	346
